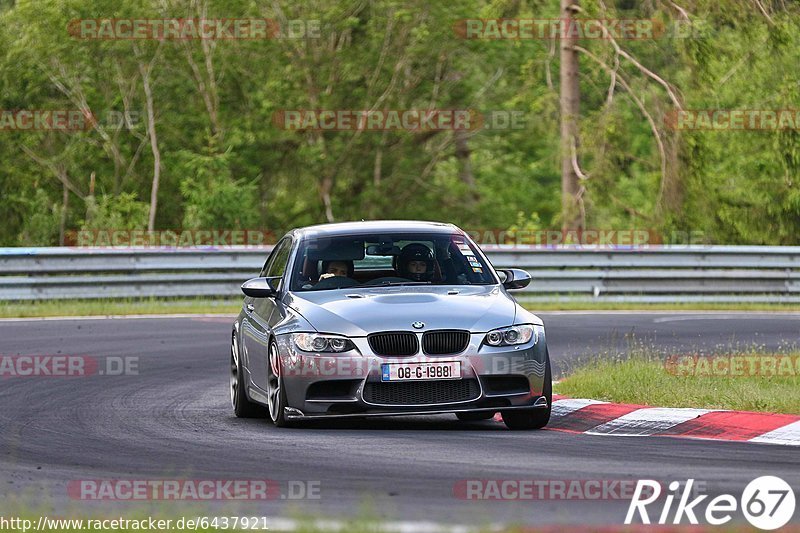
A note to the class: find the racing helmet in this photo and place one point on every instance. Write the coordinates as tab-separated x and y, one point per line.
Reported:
416	252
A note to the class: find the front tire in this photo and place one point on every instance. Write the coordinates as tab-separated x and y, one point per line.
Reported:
537	417
242	406
275	390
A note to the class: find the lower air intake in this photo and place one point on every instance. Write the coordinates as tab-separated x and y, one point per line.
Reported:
422	392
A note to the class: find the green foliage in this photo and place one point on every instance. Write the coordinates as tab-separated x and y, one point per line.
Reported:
115	213
42	225
212	198
225	163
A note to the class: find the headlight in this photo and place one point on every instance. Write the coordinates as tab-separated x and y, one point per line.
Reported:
513	335
316	342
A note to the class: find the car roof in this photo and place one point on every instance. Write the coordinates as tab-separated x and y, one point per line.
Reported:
375	226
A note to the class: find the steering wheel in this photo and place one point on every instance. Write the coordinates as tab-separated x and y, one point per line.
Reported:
335	282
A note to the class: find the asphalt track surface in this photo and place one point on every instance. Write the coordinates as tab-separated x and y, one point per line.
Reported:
173	420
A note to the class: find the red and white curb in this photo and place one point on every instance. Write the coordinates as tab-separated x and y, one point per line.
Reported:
594	417
603	418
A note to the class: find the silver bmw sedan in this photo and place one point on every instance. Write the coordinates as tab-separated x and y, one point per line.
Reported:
383	318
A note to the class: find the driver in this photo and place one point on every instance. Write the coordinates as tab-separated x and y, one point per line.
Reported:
336	268
416	262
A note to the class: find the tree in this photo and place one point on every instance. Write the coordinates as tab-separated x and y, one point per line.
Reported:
572	212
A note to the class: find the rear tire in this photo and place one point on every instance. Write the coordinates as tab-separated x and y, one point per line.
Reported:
537	417
242	406
474	417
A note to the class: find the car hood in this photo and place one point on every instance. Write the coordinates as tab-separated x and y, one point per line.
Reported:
359	312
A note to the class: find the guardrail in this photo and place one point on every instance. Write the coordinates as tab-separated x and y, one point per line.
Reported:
654	274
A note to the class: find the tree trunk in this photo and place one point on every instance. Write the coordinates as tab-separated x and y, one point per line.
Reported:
465	163
63	222
325	189
151	132
570	109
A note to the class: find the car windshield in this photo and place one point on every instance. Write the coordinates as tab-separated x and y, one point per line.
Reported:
391	259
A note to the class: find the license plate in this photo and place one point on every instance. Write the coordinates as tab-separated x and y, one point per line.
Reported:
420	371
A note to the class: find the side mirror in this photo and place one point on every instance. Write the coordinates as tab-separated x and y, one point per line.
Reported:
261	287
515	278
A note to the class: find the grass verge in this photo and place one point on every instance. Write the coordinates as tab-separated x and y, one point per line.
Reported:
118	307
101	307
647	380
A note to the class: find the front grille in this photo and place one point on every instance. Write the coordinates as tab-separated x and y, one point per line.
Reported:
422	392
394	343
445	342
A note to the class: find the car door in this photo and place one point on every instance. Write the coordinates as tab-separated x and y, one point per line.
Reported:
263	314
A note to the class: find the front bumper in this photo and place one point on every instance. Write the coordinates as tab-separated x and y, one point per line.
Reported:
341	386
295	414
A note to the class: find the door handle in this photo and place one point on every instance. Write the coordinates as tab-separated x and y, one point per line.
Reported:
250	308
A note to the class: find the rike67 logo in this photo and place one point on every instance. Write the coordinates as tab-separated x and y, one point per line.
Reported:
768	502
